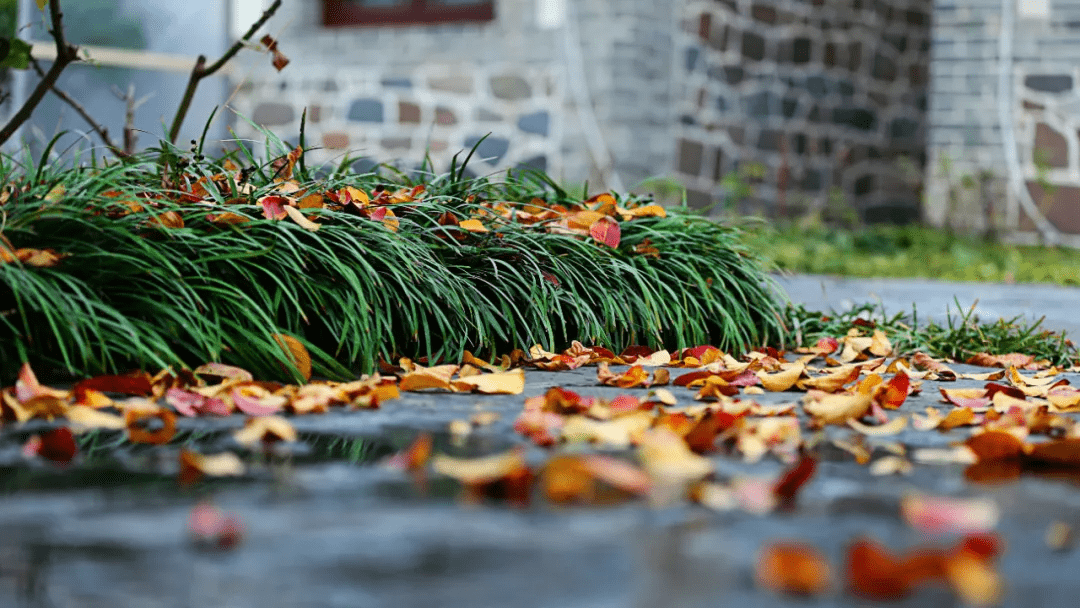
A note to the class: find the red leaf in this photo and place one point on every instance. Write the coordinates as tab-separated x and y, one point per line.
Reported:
274	207
606	230
127	385
58	445
788	485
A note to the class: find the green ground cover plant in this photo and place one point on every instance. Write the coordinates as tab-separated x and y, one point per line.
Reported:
911	251
170	258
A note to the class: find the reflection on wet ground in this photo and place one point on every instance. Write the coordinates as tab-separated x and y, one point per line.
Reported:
325	524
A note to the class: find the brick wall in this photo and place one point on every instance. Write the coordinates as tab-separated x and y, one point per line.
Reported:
967	172
827	96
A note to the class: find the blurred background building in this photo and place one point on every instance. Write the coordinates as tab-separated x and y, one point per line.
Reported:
955	112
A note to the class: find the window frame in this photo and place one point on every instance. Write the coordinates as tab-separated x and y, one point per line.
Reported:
341	13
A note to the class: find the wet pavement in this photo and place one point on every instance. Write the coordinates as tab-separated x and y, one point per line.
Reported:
327	526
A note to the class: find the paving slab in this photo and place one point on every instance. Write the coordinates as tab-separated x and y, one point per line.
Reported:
325	525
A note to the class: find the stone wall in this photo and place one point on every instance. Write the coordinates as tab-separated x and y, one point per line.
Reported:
827	98
396	94
967	172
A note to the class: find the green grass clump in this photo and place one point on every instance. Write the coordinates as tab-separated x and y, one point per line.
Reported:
132	293
958	339
912	251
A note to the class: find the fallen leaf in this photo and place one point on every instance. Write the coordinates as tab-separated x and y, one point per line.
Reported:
265	430
149	423
893	427
298	217
210	528
948	515
194	466
835	409
296	352
792	567
606	231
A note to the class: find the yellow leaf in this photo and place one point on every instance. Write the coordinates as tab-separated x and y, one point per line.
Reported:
781	381
836	409
428	377
266	429
41	4
85	418
498	383
299	218
889	428
472	226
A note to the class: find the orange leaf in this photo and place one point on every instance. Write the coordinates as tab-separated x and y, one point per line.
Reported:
148	423
297	354
894	392
874	573
995	445
606	231
795	568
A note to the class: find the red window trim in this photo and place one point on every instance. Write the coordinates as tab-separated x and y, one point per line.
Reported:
338	13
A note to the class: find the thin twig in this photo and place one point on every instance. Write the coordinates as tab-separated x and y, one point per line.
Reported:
201	70
65	55
103	132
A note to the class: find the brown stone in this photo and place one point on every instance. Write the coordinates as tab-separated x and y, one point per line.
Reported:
1061	207
485	115
271	114
1051	148
460	83
763	13
335	140
438	146
1031	105
444	116
737	135
314	113
408	112
703	25
396	143
690	153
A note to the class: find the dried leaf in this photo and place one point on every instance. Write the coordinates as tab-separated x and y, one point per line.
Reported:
606	231
499	383
835	409
298	217
194	466
781	381
297	353
210	527
148	423
265	430
948	515
893	427
791	567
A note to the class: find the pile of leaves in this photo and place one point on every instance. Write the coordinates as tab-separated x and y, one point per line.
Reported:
172	259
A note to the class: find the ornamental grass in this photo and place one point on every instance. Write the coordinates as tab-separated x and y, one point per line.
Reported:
173	259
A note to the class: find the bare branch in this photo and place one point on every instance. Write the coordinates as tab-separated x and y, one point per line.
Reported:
201	70
65	55
103	132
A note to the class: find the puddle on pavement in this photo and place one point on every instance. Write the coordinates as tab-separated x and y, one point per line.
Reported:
107	460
